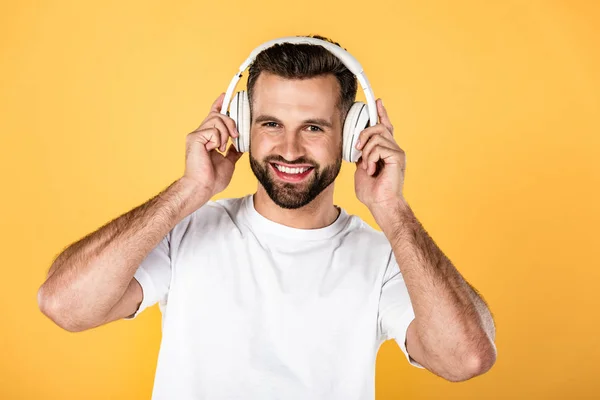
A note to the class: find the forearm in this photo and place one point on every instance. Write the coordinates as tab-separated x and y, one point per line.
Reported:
88	278
454	325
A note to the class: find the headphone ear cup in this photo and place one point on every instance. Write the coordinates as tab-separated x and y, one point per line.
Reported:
356	121
245	129
239	111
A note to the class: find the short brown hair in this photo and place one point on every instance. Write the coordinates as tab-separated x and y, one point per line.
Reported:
302	61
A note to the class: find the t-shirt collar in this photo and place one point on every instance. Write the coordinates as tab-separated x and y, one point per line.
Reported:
259	222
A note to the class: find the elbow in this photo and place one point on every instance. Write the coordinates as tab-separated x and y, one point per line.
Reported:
485	359
54	308
478	363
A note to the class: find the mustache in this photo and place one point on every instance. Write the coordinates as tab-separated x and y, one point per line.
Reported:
301	160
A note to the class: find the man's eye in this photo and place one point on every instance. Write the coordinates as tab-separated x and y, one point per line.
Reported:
270	124
317	129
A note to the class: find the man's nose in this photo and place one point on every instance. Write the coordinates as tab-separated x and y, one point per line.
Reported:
291	148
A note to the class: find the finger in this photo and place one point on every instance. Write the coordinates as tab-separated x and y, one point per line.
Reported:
209	137
224	131
383	116
215	108
376	140
218	103
228	121
233	154
366	134
380	153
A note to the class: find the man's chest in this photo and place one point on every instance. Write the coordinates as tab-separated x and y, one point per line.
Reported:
304	291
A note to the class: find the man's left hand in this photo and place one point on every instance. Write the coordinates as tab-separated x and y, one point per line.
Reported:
379	176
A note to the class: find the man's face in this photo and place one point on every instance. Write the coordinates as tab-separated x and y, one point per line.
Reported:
296	137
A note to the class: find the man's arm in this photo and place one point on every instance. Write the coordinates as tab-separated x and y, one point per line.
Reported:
91	282
453	331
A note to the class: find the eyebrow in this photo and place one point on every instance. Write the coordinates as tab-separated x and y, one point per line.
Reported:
316	121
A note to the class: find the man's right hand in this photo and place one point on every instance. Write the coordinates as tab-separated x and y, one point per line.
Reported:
207	169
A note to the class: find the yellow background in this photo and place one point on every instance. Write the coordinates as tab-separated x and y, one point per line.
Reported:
496	103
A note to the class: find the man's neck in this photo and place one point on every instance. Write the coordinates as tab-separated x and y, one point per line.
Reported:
319	213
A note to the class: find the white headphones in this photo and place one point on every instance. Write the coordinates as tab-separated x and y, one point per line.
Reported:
359	115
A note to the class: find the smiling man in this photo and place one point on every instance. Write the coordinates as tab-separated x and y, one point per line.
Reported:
297	155
279	294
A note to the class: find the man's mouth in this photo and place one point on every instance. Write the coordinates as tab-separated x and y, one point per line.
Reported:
290	173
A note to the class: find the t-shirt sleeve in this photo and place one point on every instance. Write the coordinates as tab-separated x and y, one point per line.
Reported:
395	308
154	276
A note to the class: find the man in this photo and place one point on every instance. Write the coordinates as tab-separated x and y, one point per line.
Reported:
279	294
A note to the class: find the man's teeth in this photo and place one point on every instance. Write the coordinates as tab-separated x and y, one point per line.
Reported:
291	170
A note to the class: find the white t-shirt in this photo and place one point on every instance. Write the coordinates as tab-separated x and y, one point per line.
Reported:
252	309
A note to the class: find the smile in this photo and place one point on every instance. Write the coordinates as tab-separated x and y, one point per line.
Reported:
290	174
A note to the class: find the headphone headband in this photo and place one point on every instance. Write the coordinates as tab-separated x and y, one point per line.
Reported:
346	58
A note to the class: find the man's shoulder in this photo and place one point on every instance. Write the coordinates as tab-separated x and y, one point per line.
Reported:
360	230
211	213
232	204
227	208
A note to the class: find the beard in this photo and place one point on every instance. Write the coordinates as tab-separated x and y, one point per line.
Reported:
294	195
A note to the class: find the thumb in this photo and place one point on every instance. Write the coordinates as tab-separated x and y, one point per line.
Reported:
232	154
218	103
